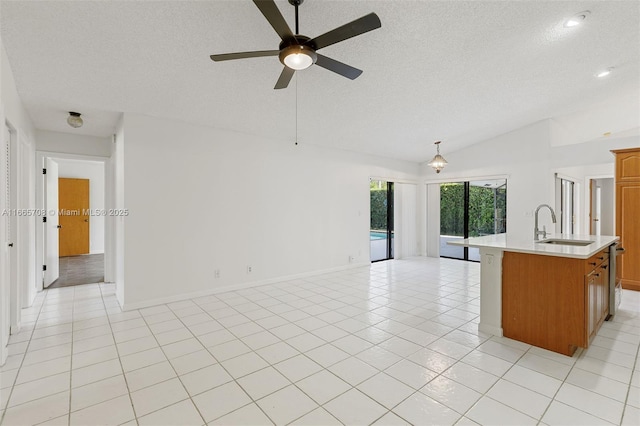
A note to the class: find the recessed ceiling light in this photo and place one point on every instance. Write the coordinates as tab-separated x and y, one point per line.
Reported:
576	19
604	73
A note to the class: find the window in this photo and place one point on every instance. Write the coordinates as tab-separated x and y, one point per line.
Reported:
471	209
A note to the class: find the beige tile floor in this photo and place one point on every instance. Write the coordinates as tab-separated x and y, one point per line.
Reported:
394	343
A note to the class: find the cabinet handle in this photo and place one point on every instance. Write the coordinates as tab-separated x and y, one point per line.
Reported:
601	258
592	263
597	275
604	266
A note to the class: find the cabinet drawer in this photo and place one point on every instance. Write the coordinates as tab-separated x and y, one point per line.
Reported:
594	261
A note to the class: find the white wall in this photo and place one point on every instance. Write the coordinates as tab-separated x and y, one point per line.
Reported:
523	156
22	292
94	171
202	199
69	143
117	224
529	161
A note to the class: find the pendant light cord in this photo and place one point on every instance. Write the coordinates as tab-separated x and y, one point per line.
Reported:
296	109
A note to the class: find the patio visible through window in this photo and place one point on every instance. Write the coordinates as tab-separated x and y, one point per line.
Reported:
381	229
471	209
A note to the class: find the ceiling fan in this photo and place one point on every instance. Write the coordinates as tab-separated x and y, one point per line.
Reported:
298	52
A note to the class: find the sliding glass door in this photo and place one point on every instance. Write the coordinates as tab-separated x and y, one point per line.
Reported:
471	209
381	225
453	209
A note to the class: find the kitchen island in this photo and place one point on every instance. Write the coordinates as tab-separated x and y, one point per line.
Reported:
552	293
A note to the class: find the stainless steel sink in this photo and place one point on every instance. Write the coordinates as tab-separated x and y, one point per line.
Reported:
562	242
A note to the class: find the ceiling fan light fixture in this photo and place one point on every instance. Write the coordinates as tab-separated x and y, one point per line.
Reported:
74	120
298	57
438	161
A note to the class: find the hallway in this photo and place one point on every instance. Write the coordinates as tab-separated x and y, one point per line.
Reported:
83	269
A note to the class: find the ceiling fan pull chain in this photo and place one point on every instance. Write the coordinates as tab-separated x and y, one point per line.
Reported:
297	3
296	110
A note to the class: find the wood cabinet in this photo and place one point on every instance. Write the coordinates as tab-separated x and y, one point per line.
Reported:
597	291
627	223
556	303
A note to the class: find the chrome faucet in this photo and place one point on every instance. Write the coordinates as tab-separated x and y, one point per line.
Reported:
536	232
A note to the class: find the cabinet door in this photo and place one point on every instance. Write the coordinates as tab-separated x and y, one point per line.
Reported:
599	308
592	291
628	165
604	290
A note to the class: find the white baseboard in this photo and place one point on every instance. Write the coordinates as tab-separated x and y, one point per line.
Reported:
490	329
233	287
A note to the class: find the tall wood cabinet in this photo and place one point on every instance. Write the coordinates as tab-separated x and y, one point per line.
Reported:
627	215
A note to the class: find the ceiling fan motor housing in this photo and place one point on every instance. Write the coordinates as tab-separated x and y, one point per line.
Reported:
295	46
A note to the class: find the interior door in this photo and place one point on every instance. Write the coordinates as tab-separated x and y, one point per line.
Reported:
566	206
595	209
51	226
598	209
73	203
5	260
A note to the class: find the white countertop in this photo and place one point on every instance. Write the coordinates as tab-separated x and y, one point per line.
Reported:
506	242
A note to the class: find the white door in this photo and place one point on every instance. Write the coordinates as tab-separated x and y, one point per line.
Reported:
598	210
51	226
5	259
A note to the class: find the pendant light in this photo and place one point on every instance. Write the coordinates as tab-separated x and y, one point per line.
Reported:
74	120
438	161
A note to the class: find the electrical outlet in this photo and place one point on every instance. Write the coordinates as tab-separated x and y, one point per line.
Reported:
249	269
216	273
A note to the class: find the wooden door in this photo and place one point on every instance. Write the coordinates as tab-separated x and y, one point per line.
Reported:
592	305
73	208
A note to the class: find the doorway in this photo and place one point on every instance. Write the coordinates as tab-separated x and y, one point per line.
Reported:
381	221
601	206
471	209
74	240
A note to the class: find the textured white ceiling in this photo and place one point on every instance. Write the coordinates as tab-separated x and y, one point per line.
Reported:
452	70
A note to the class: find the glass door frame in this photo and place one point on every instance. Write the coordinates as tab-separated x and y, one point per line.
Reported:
466	195
389	198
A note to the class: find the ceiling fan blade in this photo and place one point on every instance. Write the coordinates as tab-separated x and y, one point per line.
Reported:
275	18
244	55
338	67
359	26
285	78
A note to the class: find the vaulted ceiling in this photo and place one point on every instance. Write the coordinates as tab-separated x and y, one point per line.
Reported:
459	71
